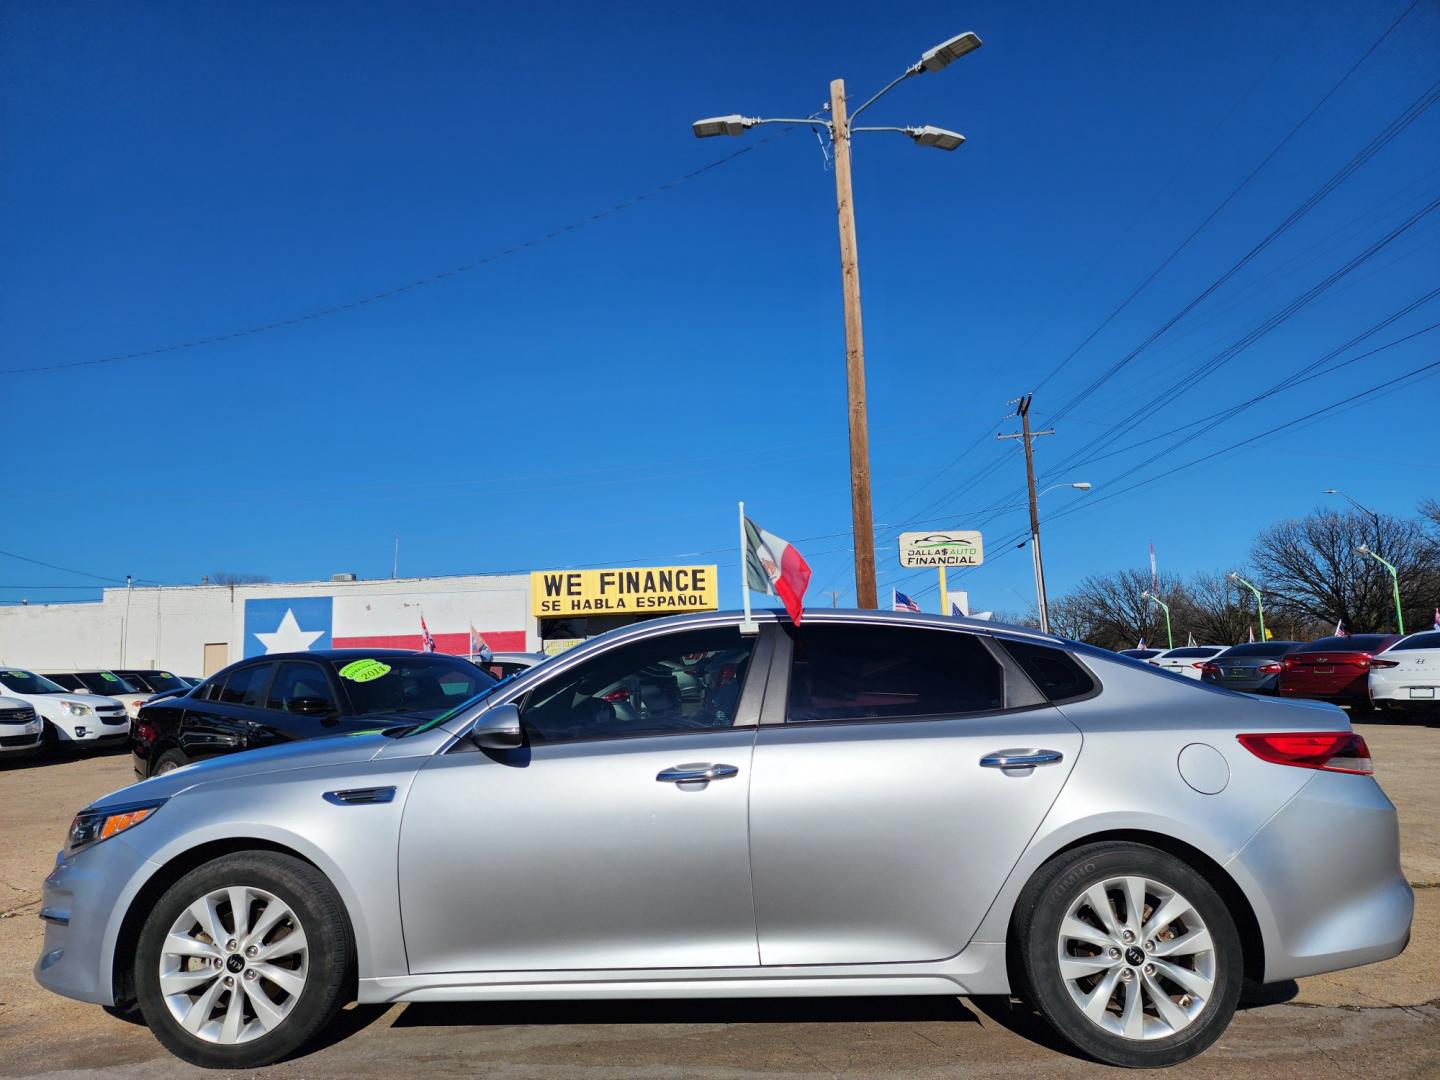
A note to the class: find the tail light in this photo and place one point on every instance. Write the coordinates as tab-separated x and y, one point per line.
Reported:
1209	668
1290	663
1375	663
1202	665
1328	751
618	694
1271	668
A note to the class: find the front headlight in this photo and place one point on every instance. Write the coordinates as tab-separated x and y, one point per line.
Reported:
92	826
74	708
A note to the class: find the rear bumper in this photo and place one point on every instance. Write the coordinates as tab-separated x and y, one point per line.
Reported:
1324	877
1405	694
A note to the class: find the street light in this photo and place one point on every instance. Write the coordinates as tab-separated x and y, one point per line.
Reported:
1362	508
1169	637
839	127
1259	603
1394	584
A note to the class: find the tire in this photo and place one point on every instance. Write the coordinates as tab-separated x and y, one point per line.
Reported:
1166	1021
297	989
169	761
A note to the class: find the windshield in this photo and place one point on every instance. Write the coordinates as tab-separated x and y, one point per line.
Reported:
27	682
159	681
421	685
104	682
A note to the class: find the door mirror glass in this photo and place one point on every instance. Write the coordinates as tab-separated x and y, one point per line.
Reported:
498	729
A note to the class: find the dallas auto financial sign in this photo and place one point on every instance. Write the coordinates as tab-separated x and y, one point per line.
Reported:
956	547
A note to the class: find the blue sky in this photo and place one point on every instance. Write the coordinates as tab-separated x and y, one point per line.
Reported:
174	172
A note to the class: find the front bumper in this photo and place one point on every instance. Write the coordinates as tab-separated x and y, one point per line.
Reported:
83	905
21	739
1325	880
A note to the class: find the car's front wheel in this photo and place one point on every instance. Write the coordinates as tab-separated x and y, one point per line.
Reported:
1129	953
243	960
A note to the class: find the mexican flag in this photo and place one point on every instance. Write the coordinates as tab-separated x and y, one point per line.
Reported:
775	568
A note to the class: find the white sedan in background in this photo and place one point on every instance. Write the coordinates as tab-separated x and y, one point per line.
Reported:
77	720
1187	660
1407	674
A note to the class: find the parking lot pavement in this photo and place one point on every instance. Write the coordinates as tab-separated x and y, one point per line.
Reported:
1382	1020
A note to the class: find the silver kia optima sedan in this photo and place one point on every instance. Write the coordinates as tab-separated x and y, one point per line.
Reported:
869	803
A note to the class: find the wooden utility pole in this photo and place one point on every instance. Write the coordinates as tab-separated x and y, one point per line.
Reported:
1023	410
860	508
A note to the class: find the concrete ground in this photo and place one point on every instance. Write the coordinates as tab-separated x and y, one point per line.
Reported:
1380	1021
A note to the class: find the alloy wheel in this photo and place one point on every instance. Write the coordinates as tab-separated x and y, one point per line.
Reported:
233	965
1136	958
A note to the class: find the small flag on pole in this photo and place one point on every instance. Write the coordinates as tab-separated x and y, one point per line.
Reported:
1437	618
1252	635
1141	643
1340	630
901	602
1190	641
427	643
773	567
479	650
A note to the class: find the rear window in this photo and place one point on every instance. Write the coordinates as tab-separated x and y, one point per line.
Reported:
1140	654
1192	653
1418	641
246	686
1353	643
1261	648
888	673
1054	671
158	681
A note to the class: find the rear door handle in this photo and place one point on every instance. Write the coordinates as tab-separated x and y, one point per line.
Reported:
1021	759
701	773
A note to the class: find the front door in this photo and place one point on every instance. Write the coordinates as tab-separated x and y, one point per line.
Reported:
877	835
599	844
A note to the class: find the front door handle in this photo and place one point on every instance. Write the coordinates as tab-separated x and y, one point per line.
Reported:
1021	759
701	773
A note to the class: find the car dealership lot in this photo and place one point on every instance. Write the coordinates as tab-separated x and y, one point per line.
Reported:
1380	1020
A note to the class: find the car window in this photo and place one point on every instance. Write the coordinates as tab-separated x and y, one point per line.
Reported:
69	682
417	684
888	672
18	681
687	681
1055	672
1260	648
298	680
1192	652
1418	641
1353	643
246	686
160	680
106	682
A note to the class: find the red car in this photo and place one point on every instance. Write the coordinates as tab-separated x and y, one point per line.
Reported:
1335	669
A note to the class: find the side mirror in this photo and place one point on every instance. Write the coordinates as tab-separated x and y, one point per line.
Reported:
498	729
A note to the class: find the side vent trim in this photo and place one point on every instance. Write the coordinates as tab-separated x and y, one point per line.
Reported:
360	796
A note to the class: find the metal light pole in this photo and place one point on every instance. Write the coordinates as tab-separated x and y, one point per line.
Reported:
1362	508
1259	603
1394	584
1169	636
840	127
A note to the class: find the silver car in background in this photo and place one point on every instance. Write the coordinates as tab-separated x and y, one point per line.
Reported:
870	803
1253	668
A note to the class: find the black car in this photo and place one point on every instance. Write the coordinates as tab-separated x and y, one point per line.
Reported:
155	682
304	695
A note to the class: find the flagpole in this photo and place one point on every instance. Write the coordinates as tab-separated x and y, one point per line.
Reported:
747	625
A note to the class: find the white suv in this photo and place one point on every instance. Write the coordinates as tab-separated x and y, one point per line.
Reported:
21	729
80	720
104	683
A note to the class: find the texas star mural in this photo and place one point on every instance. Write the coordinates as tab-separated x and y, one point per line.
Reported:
301	623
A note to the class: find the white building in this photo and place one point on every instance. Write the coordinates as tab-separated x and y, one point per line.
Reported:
198	629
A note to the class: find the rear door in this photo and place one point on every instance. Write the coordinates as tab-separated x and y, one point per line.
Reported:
877	833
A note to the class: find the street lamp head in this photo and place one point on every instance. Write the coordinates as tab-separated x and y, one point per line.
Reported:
1083	485
1364	549
734	124
1233	576
930	135
1332	491
1145	595
946	52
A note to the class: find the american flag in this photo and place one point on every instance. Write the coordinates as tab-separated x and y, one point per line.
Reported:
1340	630
901	602
1437	618
427	643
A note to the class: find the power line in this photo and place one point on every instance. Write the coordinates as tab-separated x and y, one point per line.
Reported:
417	283
1229	198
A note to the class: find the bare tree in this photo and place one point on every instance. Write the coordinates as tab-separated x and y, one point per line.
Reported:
1313	567
1214	609
1110	610
226	577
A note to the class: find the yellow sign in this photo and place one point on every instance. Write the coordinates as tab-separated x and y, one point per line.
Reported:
644	590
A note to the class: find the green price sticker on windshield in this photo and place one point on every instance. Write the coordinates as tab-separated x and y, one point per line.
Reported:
108	677
364	670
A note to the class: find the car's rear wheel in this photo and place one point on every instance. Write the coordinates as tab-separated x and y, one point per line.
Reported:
1129	953
169	761
243	960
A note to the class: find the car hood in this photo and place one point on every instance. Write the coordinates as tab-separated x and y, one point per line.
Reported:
304	754
93	700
